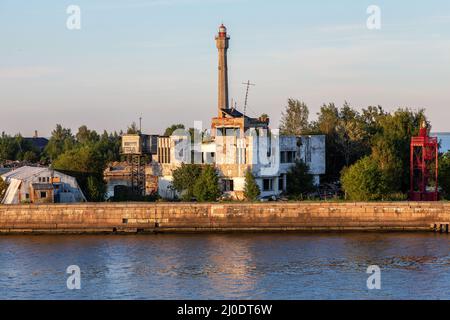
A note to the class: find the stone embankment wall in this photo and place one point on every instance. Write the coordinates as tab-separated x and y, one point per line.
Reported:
187	217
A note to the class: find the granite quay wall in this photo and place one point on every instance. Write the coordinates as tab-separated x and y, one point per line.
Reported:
223	217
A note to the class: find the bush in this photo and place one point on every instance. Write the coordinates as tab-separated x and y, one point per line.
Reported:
206	187
365	181
184	179
96	189
299	180
251	190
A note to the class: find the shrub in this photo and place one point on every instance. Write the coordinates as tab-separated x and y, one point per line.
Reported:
365	181
206	187
251	190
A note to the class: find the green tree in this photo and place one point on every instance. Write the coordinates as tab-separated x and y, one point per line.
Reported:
299	180
96	189
294	120
251	189
133	129
8	148
184	178
30	156
206	188
365	181
444	175
85	159
170	130
391	145
61	140
84	135
348	135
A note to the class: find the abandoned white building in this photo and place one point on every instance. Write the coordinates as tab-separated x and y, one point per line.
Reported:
40	185
236	143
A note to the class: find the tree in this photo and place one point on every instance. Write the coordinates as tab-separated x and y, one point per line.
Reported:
96	189
170	130
3	188
348	135
84	159
133	129
251	189
299	180
444	175
294	121
84	135
391	145
365	181
8	148
206	188
61	140
184	179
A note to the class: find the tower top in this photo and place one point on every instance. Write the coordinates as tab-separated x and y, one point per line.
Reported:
222	31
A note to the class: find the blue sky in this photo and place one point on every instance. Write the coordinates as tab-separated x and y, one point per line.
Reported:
157	58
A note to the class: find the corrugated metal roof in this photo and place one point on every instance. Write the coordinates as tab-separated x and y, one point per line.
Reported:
23	173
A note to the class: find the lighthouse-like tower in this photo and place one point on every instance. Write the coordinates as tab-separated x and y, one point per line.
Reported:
222	42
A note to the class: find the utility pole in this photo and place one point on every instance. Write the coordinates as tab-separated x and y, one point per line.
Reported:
140	125
248	84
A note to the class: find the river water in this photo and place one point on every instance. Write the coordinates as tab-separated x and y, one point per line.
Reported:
229	266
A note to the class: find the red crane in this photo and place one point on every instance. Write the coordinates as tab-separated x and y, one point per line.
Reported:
424	168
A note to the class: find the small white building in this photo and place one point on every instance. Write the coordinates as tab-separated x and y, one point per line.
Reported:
40	185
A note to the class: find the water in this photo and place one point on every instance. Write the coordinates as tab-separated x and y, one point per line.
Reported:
247	266
444	139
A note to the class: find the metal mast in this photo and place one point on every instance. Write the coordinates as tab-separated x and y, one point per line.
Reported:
248	84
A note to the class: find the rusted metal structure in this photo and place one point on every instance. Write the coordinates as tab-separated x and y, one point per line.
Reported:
424	167
136	147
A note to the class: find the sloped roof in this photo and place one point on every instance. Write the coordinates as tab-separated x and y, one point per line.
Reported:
233	113
23	173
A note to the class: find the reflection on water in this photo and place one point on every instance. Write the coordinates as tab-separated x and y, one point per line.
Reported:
250	266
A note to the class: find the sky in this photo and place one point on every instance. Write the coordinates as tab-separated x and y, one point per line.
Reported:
157	59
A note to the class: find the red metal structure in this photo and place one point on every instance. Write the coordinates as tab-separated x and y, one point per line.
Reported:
424	167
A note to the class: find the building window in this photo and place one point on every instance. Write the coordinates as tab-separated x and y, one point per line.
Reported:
282	156
281	183
228	185
43	194
287	156
27	196
268	185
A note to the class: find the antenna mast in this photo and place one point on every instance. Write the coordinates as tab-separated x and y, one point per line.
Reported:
248	84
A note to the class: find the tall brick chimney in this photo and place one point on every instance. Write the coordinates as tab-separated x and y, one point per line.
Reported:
222	42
